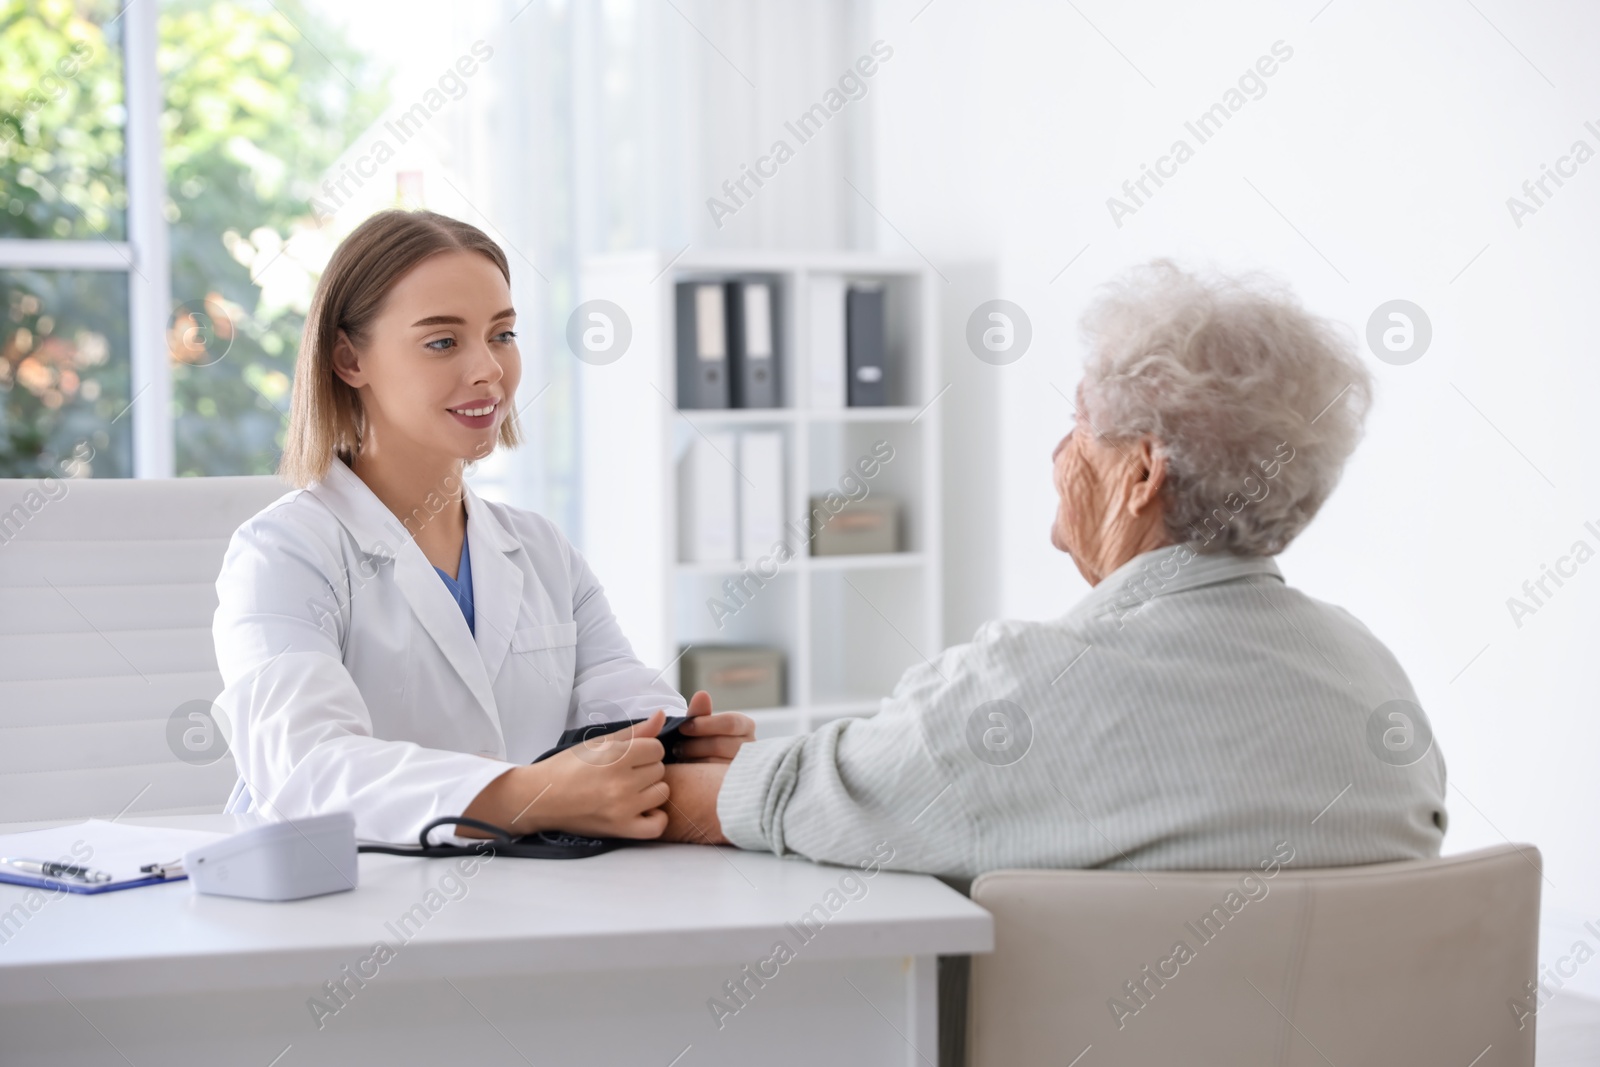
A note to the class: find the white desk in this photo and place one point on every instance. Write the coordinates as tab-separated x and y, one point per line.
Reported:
608	960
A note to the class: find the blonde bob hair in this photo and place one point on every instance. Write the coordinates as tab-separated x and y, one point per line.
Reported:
325	416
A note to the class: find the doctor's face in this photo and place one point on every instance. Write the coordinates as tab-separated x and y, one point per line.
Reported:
439	366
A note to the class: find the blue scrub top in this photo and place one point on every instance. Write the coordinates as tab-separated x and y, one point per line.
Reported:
461	586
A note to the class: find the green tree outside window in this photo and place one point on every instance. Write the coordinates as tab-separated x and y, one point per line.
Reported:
258	101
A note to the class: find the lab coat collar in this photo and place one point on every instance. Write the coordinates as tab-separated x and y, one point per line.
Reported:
378	533
497	580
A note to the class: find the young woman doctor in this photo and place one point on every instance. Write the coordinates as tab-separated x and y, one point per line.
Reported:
392	644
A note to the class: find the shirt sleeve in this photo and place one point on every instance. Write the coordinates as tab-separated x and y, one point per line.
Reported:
609	682
302	734
840	792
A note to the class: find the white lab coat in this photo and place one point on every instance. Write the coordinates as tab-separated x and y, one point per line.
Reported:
351	681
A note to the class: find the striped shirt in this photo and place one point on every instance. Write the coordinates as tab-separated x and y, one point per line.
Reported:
1191	712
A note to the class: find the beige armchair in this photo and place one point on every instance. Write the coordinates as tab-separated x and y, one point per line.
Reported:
1405	964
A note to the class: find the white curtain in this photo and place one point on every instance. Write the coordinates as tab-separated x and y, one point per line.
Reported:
604	126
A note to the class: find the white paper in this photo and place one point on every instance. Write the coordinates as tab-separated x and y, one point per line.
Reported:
757	320
116	848
711	336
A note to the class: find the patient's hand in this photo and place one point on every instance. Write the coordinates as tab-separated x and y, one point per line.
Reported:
691	805
712	738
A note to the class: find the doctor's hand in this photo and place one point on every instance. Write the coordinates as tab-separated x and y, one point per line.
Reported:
712	738
608	786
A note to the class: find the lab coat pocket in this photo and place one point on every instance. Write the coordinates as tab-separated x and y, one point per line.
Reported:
552	636
550	653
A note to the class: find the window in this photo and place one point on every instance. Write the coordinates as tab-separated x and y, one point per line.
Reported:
159	238
66	264
174	175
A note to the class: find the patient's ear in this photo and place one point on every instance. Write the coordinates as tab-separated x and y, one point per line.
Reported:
1149	471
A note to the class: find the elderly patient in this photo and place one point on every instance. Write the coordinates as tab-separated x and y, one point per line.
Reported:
1193	710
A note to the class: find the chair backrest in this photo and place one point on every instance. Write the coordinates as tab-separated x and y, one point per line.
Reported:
107	589
1406	964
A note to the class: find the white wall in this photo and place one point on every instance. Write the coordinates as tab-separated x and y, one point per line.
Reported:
1390	141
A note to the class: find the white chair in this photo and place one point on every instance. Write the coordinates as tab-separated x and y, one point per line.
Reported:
1405	964
107	589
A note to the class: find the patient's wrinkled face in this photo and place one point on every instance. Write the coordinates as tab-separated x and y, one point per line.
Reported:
1077	481
1059	529
1100	520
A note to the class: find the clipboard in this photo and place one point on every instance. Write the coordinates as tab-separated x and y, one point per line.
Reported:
118	849
18	878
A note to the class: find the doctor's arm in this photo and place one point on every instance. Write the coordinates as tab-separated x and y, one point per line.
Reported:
302	731
610	786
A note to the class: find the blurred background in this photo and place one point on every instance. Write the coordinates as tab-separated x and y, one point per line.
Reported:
174	175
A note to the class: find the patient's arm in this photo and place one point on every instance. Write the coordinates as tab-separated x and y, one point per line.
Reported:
899	783
692	806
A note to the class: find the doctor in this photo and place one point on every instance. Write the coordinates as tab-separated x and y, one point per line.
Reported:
392	644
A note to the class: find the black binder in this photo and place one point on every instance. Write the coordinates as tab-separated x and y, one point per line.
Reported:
864	348
702	346
753	344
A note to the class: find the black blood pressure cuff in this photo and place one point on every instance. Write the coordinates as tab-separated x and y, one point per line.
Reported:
556	844
547	844
579	734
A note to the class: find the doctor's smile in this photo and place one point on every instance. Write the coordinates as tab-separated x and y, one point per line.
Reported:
477	416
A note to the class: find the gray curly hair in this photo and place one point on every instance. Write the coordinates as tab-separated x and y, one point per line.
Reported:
1255	403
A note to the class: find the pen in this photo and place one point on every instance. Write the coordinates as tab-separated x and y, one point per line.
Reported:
54	869
163	870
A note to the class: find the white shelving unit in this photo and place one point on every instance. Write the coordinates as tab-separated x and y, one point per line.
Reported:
849	625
